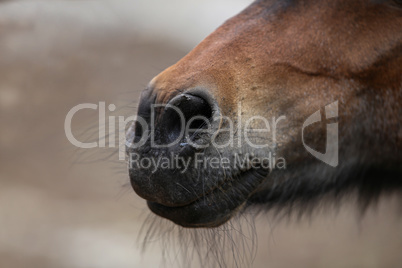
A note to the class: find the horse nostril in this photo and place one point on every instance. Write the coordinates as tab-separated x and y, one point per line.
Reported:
186	114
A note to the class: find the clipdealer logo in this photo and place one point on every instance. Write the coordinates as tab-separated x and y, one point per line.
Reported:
330	156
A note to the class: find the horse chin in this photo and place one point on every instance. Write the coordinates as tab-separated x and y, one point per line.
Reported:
185	216
217	206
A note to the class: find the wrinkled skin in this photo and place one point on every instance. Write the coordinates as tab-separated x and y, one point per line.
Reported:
279	58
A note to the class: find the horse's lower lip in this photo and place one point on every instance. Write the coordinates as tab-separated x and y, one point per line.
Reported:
215	207
161	211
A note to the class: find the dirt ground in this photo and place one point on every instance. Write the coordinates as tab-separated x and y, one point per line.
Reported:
67	207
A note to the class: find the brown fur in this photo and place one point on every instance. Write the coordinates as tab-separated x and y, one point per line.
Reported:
293	58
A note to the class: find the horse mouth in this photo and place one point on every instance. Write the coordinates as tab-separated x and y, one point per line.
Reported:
217	206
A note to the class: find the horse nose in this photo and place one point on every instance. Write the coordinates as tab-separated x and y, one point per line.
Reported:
183	124
186	119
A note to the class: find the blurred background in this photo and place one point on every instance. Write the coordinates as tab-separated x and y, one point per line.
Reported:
66	207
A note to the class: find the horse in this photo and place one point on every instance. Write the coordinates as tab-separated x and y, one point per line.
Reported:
288	102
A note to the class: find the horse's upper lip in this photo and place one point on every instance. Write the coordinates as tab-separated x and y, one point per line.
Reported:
204	194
